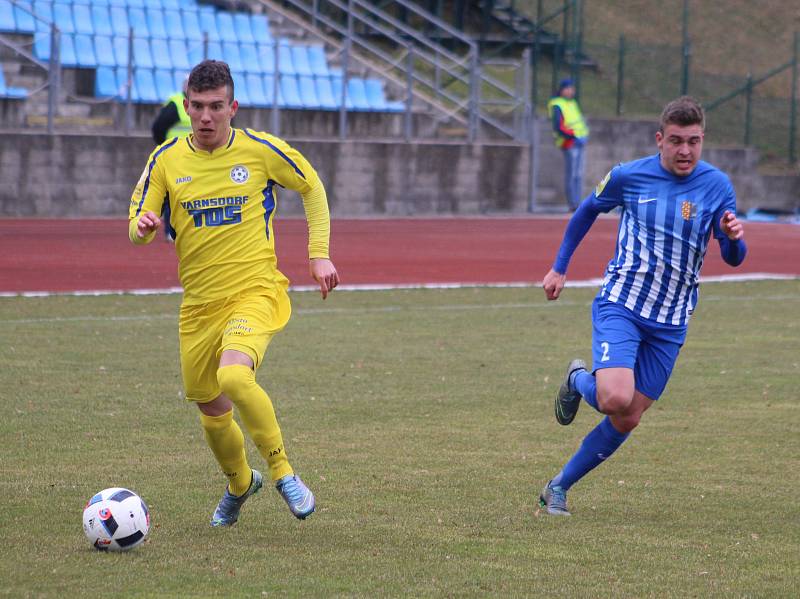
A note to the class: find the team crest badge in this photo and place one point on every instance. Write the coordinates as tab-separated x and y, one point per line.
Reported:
688	210
602	185
239	173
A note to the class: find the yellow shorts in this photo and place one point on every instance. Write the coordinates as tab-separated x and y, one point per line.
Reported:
245	322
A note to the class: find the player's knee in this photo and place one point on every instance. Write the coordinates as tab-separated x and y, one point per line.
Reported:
214	424
234	380
613	400
627	422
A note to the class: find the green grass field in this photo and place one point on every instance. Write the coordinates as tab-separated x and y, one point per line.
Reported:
423	422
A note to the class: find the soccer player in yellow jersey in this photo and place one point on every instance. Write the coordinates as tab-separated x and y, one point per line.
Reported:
221	186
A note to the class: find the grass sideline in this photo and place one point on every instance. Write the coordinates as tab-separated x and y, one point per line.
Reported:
422	419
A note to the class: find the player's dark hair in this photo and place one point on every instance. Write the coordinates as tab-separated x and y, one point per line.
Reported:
211	74
683	111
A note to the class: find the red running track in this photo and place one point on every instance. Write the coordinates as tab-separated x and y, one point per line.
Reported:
89	255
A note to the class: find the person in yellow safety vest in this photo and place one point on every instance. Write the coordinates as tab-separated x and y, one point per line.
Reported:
571	134
170	122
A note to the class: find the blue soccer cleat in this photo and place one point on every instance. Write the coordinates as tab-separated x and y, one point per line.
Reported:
227	512
297	496
568	400
554	499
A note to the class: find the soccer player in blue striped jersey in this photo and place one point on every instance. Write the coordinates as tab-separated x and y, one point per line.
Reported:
671	204
221	184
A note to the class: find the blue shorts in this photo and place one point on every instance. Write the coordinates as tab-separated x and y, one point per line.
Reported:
622	339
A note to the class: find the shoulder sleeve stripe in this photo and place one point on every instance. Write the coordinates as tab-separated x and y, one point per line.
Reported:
150	172
277	151
233	134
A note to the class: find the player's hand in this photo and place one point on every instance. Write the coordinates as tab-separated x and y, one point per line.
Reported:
324	273
731	226
553	284
148	223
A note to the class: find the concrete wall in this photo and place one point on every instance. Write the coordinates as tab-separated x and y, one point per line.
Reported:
85	175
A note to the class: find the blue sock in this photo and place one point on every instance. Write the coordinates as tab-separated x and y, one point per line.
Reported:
602	441
585	383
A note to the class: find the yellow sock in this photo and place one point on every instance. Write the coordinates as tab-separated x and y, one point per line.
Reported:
238	382
225	439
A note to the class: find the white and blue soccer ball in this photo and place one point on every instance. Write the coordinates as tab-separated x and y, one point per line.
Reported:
116	519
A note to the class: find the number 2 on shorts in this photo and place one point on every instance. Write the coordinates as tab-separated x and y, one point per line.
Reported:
605	357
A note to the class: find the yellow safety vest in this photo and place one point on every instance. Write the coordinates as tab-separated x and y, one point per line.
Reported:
184	126
573	118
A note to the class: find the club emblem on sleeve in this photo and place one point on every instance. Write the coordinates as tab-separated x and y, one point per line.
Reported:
688	210
239	173
602	185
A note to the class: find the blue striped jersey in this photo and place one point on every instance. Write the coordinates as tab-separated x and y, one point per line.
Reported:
665	226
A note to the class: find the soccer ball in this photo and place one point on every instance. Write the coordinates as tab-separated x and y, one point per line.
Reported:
116	519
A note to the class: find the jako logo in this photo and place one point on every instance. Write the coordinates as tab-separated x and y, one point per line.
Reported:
180	180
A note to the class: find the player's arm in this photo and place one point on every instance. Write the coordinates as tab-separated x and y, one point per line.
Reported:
603	199
146	201
729	231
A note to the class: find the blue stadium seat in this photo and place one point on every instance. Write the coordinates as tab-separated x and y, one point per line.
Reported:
290	92
266	57
119	20
318	61
135	3
191	26
194	51
171	4
41	45
162	57
24	19
240	91
373	89
269	89
308	91
259	25
62	17
249	54
84	51
156	22
120	50
244	32
146	87
179	75
179	54
82	17
101	20
174	24
11	92
325	92
336	83
225	28
105	83
230	53
215	51
45	11
300	60
255	87
285	63
104	50
208	22
122	85
68	56
138	21
358	93
142	57
8	24
165	83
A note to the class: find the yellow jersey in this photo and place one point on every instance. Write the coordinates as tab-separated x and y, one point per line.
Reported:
222	207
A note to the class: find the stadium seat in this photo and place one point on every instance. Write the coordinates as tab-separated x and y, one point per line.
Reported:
84	51
25	21
255	86
119	20
121	50
215	51
357	93
336	84
194	51
135	3
191	26
249	54
244	32
230	53
266	57
62	17
156	22
142	57
68	56
225	27
259	25
105	83
290	92
138	20
82	17
173	24
45	11
318	61
208	22
171	4
41	45
300	60
308	91
11	92
122	84
373	89
165	83
8	24
285	63
179	54
101	20
325	93
104	51
180	76
240	91
162	57
146	87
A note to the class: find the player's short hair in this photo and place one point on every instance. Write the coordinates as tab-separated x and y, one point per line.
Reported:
683	111
211	74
